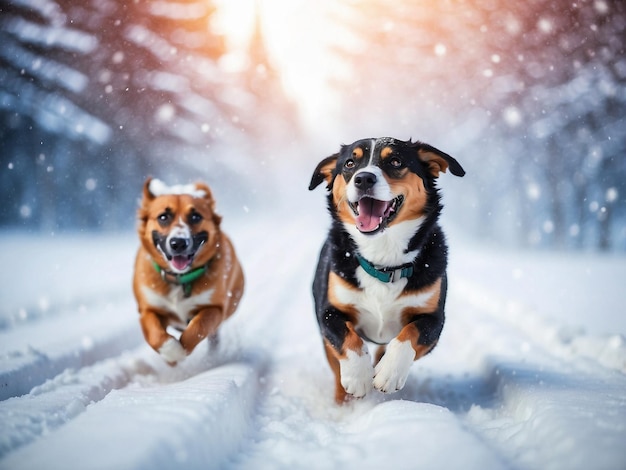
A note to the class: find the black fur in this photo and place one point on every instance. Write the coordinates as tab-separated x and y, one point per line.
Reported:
338	254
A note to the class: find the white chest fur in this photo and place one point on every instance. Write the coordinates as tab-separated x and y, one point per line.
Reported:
176	302
380	305
387	248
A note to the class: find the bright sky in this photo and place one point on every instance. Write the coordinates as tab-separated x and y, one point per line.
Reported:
295	32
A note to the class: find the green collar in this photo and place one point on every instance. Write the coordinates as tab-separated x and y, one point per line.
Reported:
385	274
184	280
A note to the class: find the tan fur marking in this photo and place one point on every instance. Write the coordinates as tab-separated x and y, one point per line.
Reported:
380	352
384	153
348	309
341	201
412	334
357	153
352	342
436	163
431	304
331	356
327	171
414	192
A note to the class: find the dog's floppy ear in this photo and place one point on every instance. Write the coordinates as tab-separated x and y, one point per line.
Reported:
208	196
147	195
325	171
142	212
438	161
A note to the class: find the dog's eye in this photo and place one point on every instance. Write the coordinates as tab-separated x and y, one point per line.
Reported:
349	164
164	219
395	162
195	218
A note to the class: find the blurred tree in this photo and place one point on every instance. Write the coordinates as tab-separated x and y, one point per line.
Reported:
96	95
531	94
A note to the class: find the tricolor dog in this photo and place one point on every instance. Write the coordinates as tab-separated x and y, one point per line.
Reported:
381	275
187	275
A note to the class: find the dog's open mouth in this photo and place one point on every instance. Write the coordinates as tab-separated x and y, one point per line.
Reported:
373	215
180	252
181	262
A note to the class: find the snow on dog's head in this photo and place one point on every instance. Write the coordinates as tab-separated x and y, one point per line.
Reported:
159	188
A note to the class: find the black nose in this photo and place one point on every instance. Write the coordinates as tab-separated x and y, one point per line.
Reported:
364	180
178	245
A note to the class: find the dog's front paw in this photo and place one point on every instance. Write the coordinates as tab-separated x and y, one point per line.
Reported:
356	373
392	370
172	351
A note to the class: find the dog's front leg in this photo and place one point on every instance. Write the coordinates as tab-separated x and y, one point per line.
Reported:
348	357
204	324
154	330
393	368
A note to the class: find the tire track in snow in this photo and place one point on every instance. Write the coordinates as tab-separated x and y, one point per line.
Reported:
68	306
34	352
584	349
59	400
298	425
498	390
86	377
541	398
175	425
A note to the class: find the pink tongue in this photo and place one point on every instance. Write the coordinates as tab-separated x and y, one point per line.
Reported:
370	213
180	262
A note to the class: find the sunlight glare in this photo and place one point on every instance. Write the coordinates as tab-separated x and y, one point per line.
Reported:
235	20
295	34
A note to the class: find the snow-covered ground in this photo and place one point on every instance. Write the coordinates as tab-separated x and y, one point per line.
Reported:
530	372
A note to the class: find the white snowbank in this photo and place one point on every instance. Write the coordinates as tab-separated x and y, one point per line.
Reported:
525	383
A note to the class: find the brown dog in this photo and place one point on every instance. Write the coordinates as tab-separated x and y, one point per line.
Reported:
186	272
